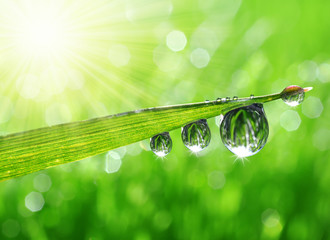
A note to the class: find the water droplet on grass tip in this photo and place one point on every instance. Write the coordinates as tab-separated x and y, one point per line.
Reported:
161	144
293	95
196	135
227	98
251	96
244	131
235	98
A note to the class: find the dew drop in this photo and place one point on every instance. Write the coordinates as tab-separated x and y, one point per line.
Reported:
235	98
161	144
196	135
207	101
227	98
244	130
251	96
218	99
223	99
293	95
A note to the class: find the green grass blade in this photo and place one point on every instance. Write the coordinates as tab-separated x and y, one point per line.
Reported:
31	151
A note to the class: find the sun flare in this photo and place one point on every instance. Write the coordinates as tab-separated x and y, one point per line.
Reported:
42	34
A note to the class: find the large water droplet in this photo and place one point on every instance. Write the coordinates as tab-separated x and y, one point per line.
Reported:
293	95
196	135
161	144
244	130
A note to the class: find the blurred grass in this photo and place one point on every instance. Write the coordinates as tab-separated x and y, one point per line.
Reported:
255	47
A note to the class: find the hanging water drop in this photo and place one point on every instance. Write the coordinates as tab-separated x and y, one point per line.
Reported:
293	95
244	131
235	98
196	135
251	96
161	144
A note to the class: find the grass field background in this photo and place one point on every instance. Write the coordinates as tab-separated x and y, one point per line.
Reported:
63	61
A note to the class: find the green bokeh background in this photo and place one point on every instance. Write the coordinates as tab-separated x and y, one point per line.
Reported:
255	47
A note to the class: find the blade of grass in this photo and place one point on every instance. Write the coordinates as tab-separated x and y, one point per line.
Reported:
34	150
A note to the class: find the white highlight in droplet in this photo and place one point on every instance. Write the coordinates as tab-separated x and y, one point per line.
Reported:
176	41
242	151
42	182
290	120
28	86
312	107
216	180
34	201
218	119
112	162
57	113
119	55
200	58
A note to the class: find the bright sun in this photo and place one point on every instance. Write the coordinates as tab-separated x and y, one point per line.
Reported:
41	34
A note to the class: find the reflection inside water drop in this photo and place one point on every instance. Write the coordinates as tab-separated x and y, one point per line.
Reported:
196	135
161	144
293	95
244	131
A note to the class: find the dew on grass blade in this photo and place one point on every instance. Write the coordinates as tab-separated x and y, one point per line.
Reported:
251	96
244	130
235	98
293	95
161	144
196	135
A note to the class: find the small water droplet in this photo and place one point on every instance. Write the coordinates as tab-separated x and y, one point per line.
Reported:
235	98
207	101
223	99
244	131
218	99
227	98
293	95
196	135
161	144
251	96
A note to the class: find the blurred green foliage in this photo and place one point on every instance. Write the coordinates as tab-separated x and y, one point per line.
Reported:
253	47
